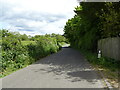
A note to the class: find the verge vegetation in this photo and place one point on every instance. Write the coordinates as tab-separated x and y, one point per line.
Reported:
109	67
94	21
19	50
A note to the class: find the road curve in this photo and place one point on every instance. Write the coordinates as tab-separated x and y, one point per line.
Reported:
65	69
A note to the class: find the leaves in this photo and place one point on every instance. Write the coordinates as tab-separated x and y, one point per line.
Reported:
110	23
92	21
16	55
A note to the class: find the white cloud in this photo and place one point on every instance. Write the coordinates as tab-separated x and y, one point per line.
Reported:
36	16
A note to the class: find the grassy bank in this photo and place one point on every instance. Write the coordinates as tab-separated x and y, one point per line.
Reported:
109	67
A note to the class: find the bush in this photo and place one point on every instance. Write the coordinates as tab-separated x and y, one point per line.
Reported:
16	55
44	47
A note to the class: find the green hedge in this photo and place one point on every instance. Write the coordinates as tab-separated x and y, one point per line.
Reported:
43	47
15	55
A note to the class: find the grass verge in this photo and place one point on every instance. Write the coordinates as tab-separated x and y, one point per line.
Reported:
9	71
107	66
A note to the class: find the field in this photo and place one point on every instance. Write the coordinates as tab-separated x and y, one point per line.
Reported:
27	42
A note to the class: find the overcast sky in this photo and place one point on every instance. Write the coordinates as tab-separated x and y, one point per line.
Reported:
34	17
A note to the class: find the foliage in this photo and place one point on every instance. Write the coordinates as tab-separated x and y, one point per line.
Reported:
12	50
103	61
92	21
43	47
17	53
109	67
59	38
110	20
24	37
27	42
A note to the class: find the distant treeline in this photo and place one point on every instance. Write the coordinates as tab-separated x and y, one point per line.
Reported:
19	50
93	21
24	37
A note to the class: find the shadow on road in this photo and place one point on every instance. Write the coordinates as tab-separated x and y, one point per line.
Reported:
71	64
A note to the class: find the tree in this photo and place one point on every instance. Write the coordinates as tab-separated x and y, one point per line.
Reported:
24	37
92	21
110	20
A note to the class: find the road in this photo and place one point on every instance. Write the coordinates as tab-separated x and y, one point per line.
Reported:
65	69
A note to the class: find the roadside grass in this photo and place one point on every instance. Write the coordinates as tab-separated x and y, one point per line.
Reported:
107	66
9	71
27	42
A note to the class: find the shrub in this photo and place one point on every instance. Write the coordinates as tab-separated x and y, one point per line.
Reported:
43	47
16	55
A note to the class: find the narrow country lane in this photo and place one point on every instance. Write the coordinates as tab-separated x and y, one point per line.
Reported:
65	69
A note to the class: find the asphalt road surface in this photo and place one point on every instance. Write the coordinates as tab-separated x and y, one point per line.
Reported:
65	69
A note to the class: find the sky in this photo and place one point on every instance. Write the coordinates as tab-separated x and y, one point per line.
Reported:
36	17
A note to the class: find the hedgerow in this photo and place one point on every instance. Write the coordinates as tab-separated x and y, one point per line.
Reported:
16	55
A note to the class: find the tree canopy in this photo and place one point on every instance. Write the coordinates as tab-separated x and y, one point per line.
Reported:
93	21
